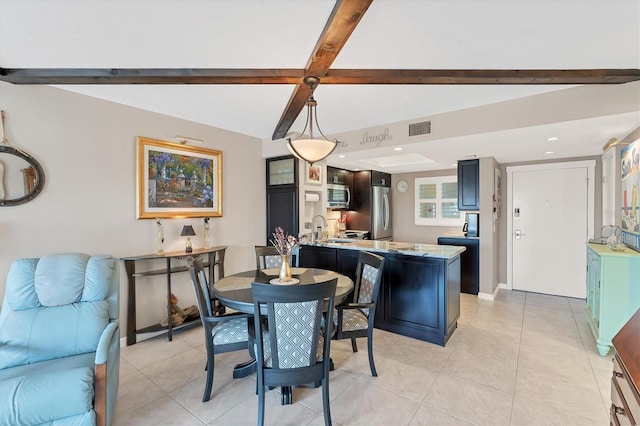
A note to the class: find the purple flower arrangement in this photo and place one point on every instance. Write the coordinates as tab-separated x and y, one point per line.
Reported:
283	243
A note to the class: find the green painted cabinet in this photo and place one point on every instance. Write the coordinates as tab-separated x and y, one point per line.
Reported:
613	291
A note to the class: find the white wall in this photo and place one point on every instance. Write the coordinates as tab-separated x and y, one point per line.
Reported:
87	149
403	211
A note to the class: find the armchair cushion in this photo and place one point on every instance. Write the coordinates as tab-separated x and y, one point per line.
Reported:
41	398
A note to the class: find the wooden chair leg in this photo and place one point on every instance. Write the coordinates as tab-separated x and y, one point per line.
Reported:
207	389
374	373
261	392
325	402
354	345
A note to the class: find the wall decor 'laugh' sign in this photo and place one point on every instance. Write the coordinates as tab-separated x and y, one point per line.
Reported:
175	180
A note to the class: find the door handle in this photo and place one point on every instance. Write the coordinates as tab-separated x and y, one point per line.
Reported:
386	211
518	234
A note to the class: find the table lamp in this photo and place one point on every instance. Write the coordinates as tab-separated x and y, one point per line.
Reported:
187	231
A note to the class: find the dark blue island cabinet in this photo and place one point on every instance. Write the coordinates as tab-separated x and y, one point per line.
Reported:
419	295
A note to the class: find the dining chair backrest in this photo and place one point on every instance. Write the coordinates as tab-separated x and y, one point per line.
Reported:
368	278
295	316
201	288
267	257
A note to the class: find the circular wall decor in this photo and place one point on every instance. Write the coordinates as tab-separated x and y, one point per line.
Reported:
402	186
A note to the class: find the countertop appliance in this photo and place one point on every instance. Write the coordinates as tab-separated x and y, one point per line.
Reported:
355	234
338	196
470	227
372	204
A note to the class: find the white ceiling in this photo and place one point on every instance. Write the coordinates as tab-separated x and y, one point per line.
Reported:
427	34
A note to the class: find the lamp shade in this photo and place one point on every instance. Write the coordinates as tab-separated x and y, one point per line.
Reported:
187	230
311	150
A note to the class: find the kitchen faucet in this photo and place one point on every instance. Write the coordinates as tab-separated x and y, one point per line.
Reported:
313	224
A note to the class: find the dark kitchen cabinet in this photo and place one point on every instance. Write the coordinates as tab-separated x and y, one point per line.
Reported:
380	178
339	176
343	261
282	171
318	257
469	185
282	195
469	262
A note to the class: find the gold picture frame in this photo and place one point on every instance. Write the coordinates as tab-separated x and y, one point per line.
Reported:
177	181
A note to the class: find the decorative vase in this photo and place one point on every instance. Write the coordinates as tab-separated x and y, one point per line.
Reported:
285	270
160	237
206	233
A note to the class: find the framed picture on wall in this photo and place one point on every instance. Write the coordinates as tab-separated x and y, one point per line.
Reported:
177	181
314	174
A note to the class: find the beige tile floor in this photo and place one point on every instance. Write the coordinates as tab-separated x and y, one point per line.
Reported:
523	359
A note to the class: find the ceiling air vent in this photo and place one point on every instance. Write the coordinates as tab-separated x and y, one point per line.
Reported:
422	128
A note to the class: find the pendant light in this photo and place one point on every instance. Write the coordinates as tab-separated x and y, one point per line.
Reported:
309	147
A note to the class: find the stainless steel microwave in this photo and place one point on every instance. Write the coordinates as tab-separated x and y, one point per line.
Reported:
338	196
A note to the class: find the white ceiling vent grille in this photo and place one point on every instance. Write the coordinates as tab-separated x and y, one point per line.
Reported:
422	128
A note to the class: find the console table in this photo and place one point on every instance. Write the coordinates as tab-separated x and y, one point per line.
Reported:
215	258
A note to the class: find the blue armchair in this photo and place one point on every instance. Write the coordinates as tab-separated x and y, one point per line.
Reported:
59	341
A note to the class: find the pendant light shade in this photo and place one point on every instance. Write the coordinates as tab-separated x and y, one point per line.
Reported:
308	146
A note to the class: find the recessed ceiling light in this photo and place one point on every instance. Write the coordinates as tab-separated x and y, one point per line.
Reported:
341	156
549	152
397	148
553	138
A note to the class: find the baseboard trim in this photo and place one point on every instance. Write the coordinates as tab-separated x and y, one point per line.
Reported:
490	296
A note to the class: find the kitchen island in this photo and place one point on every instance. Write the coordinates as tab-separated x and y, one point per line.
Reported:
420	289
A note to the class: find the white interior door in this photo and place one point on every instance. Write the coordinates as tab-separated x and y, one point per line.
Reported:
549	230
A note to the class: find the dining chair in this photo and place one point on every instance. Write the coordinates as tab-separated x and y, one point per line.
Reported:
293	349
353	320
267	257
223	333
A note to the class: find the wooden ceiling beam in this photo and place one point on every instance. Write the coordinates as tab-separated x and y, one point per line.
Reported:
295	76
150	76
486	76
344	18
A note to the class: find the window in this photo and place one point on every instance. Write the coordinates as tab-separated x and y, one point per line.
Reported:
436	201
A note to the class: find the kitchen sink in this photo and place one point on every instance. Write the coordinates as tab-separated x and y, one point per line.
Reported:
339	240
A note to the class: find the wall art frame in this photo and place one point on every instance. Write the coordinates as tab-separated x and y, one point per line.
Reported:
177	181
314	174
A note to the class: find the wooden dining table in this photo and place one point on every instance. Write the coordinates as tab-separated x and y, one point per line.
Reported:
234	291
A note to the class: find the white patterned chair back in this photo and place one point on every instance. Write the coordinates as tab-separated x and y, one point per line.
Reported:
267	257
295	315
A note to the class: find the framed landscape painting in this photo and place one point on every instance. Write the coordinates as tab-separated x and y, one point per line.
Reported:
176	181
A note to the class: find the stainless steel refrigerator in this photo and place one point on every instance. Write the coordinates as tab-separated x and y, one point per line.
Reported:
372	204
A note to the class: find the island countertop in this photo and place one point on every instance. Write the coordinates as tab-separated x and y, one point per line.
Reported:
410	249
